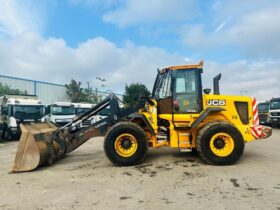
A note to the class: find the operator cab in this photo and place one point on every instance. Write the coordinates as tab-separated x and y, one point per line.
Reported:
178	89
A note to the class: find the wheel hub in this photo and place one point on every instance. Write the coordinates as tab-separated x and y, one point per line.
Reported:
126	143
222	144
219	143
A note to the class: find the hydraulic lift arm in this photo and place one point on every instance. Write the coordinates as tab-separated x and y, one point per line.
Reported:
44	143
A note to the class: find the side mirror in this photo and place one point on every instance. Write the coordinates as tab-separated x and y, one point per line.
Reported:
207	91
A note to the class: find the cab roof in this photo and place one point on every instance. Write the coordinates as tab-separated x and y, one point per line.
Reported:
190	66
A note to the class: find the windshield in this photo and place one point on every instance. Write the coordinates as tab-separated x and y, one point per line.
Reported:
263	107
275	104
63	110
81	110
28	112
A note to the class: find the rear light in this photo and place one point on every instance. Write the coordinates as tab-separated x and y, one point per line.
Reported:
242	110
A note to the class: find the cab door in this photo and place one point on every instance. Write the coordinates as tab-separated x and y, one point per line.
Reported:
187	96
163	93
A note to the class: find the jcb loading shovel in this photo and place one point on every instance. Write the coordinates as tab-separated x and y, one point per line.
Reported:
44	143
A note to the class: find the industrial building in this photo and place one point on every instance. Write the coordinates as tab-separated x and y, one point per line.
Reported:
46	91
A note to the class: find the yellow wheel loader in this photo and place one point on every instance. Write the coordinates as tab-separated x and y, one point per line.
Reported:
180	115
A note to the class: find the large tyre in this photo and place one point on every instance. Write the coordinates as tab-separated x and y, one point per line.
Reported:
126	144
219	143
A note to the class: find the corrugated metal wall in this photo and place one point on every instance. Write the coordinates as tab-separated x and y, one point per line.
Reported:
47	92
50	93
23	85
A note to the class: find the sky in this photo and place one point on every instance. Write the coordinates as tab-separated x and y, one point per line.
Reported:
126	41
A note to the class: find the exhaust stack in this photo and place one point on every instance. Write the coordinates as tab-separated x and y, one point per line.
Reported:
216	84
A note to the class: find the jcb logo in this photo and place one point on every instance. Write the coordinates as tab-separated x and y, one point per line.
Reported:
216	102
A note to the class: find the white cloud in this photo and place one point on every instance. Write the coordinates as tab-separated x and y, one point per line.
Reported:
27	54
196	37
133	12
252	27
31	56
18	17
259	79
258	33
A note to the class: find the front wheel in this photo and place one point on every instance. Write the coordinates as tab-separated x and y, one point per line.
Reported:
220	143
126	144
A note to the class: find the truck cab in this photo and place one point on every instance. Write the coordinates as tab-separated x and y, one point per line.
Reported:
17	109
60	113
263	108
274	111
81	108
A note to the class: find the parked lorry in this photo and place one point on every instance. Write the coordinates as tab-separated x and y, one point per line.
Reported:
264	117
274	112
81	108
60	113
17	109
179	115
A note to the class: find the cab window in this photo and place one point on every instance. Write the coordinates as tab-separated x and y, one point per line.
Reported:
163	89
186	92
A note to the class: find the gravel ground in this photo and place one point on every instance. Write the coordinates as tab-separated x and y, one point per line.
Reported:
168	179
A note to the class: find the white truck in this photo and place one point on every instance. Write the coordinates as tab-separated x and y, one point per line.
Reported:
60	113
83	107
80	108
16	109
274	112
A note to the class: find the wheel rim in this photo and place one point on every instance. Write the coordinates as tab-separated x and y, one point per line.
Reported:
126	145
222	144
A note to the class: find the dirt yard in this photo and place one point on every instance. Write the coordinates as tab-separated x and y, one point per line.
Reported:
168	179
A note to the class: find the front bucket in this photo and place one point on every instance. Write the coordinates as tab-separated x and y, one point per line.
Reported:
33	150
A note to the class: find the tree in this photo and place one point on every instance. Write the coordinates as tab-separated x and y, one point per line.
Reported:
133	92
92	96
75	91
78	94
6	90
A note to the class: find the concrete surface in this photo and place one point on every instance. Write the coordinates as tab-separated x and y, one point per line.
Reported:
168	179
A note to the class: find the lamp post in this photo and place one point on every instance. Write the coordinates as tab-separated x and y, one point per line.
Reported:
102	80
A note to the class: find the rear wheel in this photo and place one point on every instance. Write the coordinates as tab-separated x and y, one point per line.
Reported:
126	144
219	143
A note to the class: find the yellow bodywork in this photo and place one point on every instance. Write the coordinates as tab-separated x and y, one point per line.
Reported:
181	138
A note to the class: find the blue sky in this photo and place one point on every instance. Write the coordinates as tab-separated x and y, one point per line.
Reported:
77	21
125	41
